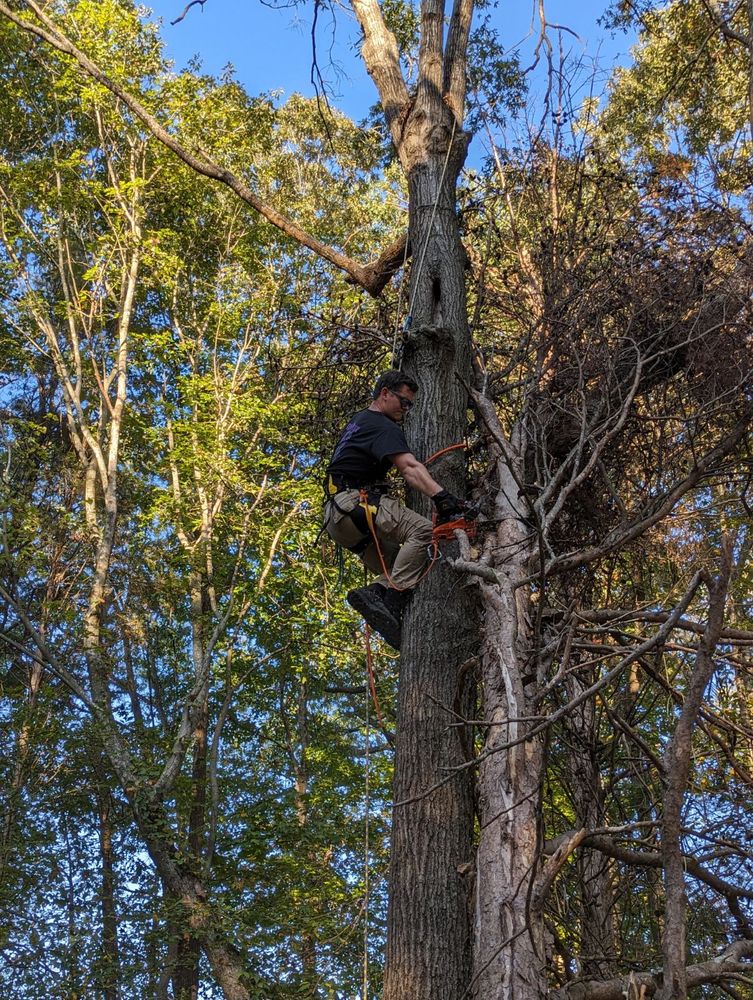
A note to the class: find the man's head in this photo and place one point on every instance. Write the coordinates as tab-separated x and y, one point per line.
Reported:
393	394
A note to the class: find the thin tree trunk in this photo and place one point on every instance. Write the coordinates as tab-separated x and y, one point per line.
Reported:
110	963
72	956
676	761
19	766
509	955
597	939
185	978
300	763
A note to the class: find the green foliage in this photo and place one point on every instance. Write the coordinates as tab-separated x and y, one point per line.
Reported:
685	97
218	495
497	88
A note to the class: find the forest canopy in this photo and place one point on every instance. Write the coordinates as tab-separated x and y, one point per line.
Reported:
212	782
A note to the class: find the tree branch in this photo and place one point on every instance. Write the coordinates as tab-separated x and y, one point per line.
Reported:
653	859
204	165
727	964
382	59
379	272
616	616
429	90
455	57
553	867
648	517
186	9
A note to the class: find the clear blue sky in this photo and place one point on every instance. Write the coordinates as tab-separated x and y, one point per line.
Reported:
271	48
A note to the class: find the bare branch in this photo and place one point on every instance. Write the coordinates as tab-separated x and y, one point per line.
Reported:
649	516
554	865
380	54
638	653
455	57
730	962
186	9
617	616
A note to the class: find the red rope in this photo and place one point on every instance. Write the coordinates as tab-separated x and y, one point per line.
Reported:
370	521
442	451
370	671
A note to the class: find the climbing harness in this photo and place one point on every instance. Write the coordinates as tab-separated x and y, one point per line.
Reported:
364	513
441	530
369	499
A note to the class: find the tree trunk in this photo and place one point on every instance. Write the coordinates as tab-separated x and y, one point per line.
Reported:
428	936
110	952
676	771
598	952
21	761
185	977
509	954
309	973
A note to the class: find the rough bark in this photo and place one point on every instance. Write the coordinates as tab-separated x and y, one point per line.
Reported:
428	933
428	945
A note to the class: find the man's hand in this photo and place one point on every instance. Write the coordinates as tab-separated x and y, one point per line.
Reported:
449	506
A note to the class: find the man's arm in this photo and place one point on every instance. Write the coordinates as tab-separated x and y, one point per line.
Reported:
415	473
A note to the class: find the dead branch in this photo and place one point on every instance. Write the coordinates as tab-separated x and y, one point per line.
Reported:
186	9
728	963
652	642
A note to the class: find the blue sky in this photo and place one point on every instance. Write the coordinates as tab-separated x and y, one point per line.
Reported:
271	48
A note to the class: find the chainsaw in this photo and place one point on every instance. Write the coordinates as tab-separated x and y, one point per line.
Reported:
445	530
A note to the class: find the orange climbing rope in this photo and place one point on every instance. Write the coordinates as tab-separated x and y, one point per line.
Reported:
441	532
378	547
442	451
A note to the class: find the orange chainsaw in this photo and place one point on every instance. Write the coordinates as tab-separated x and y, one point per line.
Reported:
445	530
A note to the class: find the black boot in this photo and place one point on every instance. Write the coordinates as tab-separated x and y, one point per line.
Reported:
396	601
372	603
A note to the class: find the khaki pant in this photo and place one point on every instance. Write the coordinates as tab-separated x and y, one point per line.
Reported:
404	538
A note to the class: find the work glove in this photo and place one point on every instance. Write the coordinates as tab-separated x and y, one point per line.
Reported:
449	506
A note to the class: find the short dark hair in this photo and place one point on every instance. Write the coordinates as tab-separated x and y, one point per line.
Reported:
393	380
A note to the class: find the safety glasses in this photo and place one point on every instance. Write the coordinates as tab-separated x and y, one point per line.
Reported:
405	403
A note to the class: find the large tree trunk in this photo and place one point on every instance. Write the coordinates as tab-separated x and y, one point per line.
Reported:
428	943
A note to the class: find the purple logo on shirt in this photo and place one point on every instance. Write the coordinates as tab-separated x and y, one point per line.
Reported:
348	433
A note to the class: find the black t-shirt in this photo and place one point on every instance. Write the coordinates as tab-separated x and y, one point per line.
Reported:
360	456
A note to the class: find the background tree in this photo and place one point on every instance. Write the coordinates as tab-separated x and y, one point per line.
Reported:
179	527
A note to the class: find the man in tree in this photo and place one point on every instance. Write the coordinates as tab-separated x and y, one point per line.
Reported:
391	540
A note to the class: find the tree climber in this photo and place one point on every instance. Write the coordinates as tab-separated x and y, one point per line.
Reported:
369	445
